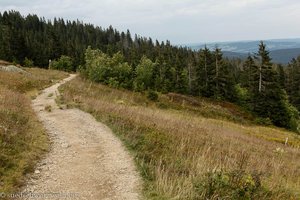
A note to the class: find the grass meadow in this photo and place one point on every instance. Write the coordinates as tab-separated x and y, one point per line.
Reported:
194	148
23	139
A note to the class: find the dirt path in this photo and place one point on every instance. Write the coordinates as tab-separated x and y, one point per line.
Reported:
86	160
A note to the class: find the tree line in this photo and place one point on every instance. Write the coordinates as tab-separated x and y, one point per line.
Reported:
270	91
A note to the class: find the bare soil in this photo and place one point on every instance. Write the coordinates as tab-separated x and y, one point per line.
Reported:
86	160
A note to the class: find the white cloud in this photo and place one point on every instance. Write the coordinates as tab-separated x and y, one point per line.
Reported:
177	20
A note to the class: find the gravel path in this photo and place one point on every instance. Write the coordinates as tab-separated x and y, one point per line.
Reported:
86	160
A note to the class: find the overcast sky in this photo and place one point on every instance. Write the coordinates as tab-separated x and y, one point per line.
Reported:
181	21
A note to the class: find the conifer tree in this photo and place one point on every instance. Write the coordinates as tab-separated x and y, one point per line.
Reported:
204	73
250	75
293	82
271	101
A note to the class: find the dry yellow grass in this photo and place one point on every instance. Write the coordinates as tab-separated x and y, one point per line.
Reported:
183	155
31	83
22	137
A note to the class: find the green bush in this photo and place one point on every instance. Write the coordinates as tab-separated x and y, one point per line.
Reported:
112	82
286	115
28	62
236	184
294	122
242	95
102	68
144	74
152	95
64	63
263	121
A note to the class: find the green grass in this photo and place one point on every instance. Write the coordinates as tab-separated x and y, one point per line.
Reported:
194	148
23	140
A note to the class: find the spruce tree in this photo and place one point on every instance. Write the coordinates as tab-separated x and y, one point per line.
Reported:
226	82
218	64
293	82
271	101
250	75
204	73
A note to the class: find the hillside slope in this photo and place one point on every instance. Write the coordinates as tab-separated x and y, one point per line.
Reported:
190	148
284	55
86	161
23	139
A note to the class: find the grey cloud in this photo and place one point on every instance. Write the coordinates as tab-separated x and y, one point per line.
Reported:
180	21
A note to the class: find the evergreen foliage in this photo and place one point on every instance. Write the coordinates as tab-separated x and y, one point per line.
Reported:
122	61
64	63
267	97
28	62
292	82
111	70
144	75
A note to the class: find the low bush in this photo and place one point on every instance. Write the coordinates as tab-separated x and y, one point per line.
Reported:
64	63
152	95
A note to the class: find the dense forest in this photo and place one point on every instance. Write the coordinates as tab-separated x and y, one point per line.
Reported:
270	91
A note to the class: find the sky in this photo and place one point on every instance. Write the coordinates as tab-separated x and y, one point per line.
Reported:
180	21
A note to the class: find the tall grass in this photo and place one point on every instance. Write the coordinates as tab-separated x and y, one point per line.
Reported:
31	83
183	154
23	139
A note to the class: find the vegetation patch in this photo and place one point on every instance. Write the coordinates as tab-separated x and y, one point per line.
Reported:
183	155
48	108
23	139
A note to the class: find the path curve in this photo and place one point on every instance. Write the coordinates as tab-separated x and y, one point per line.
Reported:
86	160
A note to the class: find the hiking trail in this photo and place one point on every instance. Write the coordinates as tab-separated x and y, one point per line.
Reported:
86	160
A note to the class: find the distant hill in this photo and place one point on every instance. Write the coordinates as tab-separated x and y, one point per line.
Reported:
281	50
230	54
283	56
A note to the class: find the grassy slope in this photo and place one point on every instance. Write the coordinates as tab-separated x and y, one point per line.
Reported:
183	155
22	137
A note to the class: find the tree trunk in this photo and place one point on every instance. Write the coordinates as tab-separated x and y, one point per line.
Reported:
217	74
260	79
190	78
205	67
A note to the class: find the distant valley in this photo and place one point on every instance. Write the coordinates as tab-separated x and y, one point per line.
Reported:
281	50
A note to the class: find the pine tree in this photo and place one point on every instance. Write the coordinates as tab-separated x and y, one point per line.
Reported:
293	82
282	75
226	82
271	101
250	75
204	73
218	64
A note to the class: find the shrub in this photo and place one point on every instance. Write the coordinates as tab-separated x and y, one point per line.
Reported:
294	121
242	95
28	62
144	74
263	121
236	184
64	63
152	95
102	68
112	82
